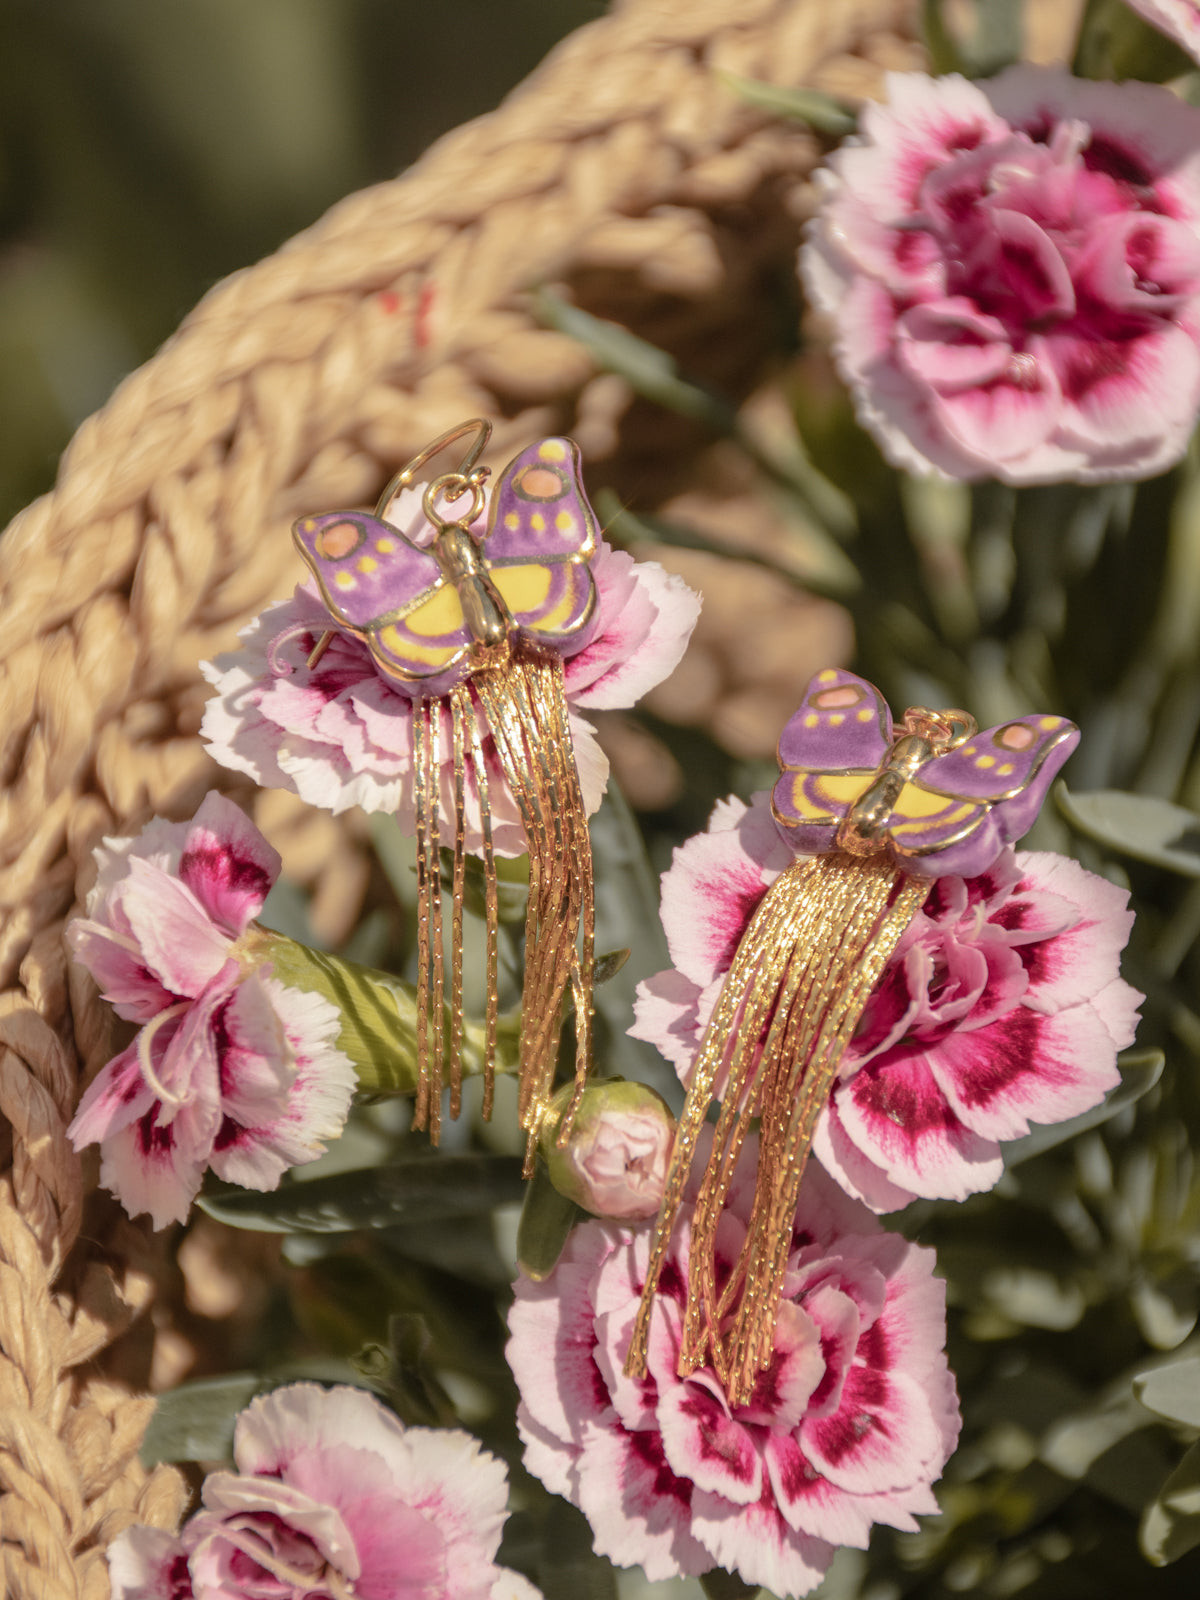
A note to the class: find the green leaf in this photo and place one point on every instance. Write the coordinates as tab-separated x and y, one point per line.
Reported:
1140	1070
547	1218
568	1569
401	1371
1074	1444
721	1585
1171	1524
627	918
418	1191
651	371
654	374
1138	825
512	886
195	1421
607	966
820	111
379	1016
1173	1391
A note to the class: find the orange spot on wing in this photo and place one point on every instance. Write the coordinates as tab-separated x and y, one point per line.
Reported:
846	694
337	541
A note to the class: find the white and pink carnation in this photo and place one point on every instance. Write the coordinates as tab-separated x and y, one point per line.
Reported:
229	1069
333	1497
1178	19
341	734
1002	1006
849	1426
1013	272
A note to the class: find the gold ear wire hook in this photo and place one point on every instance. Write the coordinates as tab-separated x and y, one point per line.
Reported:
443	442
467	475
453	485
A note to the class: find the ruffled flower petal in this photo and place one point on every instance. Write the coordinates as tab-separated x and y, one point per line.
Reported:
230	1069
1013	273
333	1496
1001	1006
668	1475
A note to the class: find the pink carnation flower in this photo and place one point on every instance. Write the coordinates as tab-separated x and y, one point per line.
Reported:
342	734
229	1069
1001	1006
1013	271
334	1497
1178	19
850	1424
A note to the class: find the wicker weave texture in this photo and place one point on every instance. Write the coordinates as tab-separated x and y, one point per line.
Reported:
624	172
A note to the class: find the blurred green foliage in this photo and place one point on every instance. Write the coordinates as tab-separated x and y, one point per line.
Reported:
149	148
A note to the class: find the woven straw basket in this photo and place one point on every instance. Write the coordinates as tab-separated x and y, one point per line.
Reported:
625	174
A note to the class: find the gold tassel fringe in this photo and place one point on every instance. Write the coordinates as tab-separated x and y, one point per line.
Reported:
804	970
526	708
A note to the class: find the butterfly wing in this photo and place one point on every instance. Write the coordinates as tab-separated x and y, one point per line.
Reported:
962	808
541	538
387	591
830	751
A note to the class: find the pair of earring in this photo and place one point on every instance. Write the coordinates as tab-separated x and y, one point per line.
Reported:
481	618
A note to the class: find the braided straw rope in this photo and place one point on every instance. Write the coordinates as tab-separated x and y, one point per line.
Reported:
623	170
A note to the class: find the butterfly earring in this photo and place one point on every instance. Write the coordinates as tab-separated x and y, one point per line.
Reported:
878	813
482	621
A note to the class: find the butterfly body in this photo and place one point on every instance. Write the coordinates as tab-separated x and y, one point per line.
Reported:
433	614
935	795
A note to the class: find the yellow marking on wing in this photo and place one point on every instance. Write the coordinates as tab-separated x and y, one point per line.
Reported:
366	564
522	588
405	649
441	613
811	720
1049	722
828	676
512	521
385	546
1006	771
552	450
834	792
344	580
865	715
915	808
564	522
985	762
837	719
919	803
537	522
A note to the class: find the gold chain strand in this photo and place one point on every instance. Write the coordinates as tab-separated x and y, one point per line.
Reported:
555	957
527	708
739	995
583	978
569	963
421	810
491	899
458	890
433	877
855	894
825	1023
780	986
493	687
556	931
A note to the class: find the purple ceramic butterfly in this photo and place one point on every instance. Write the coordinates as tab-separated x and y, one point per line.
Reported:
418	608
851	782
